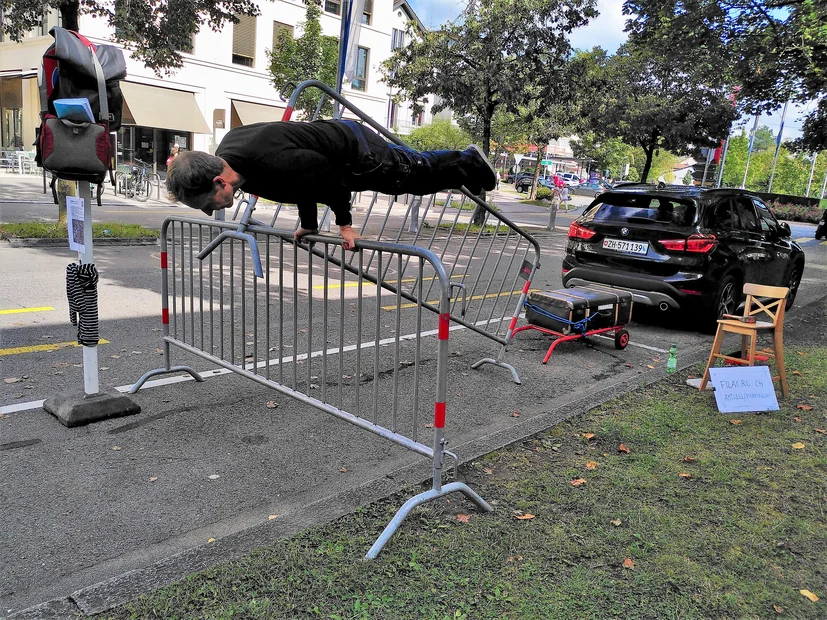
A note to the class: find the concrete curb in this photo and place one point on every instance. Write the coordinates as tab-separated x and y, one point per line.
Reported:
123	588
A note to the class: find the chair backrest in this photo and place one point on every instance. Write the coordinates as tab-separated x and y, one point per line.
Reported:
768	300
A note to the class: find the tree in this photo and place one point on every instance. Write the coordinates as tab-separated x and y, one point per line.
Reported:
774	50
651	104
612	154
485	60
155	31
442	134
312	56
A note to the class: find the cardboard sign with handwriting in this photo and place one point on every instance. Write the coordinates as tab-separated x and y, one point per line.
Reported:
748	388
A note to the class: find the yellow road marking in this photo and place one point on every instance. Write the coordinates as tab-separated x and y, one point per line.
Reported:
44	347
823	243
436	301
366	283
20	310
802	239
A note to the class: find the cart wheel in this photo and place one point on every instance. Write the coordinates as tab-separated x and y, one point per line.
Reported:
621	339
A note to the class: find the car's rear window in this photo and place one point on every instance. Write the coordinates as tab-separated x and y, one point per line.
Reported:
634	209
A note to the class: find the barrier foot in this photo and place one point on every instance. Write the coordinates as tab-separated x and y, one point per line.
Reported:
390	528
164	371
491	360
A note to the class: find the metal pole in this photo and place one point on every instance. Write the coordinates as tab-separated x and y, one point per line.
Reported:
778	145
90	354
749	149
343	43
723	161
812	170
706	165
823	185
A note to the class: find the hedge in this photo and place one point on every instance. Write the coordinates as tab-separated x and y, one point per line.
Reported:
796	213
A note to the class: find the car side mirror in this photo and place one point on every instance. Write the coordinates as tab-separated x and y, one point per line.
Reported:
784	230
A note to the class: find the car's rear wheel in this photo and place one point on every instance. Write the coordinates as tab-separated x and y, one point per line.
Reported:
793	282
725	301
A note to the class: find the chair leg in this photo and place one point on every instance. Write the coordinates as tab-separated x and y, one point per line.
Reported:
753	344
778	345
744	343
716	348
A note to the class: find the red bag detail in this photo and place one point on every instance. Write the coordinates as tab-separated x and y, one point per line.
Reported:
47	141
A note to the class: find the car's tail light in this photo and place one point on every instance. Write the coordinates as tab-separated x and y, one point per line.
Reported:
576	231
700	244
674	245
697	244
566	270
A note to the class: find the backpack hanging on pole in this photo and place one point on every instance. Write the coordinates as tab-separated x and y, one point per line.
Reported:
74	148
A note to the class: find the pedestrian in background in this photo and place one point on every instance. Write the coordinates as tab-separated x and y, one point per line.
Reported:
498	180
173	154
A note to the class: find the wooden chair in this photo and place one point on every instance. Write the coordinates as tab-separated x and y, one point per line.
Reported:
767	302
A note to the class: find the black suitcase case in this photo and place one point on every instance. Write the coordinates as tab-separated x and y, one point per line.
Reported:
611	307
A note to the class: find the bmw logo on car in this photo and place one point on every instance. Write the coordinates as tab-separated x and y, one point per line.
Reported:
624	231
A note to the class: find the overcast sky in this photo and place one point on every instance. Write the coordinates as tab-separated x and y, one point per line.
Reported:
606	30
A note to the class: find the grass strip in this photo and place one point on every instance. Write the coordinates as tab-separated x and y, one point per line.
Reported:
683	512
54	230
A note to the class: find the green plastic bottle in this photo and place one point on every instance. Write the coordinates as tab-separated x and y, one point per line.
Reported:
672	364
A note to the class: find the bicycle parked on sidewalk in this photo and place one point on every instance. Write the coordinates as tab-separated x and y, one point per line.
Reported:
135	183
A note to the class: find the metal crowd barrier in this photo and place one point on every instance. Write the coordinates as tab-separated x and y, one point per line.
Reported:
325	331
493	264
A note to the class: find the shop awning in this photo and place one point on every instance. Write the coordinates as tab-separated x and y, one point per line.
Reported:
164	108
249	113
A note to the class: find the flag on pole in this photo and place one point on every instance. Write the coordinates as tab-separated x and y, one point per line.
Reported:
348	63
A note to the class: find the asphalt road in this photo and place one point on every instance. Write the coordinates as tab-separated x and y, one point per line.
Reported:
211	460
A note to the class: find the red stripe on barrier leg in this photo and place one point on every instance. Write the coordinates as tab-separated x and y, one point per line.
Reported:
288	112
525	287
163	260
513	323
444	324
439	415
165	316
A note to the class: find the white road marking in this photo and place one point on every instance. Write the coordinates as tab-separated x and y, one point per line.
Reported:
36	404
636	344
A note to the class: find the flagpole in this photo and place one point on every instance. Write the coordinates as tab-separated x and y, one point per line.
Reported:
343	45
812	170
778	145
723	161
749	149
823	185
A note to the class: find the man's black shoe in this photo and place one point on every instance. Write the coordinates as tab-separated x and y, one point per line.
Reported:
485	174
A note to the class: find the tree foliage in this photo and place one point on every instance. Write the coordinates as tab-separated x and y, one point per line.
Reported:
641	98
442	134
312	56
155	31
774	50
486	59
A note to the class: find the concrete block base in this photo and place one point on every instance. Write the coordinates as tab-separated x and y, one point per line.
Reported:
79	408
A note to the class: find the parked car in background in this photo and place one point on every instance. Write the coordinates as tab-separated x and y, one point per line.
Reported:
524	184
590	188
682	247
570	179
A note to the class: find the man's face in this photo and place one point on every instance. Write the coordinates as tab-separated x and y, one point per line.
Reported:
221	198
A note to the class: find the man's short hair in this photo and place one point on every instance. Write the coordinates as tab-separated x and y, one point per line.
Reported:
191	174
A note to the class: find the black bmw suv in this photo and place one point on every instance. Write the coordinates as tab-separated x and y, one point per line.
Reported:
682	247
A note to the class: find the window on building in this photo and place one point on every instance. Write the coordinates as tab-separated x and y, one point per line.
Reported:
244	40
367	12
360	77
333	6
417	118
281	30
397	39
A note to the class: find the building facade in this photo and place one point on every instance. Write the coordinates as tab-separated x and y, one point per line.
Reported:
224	82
